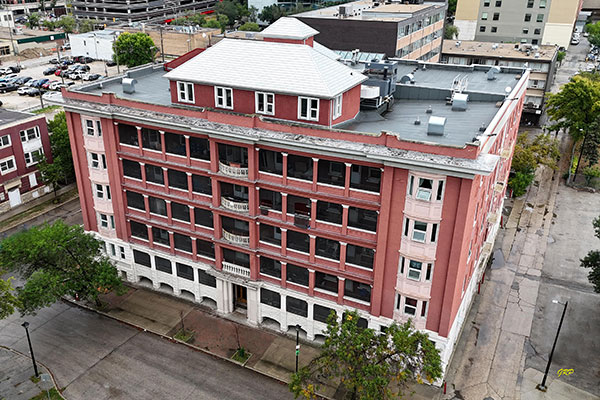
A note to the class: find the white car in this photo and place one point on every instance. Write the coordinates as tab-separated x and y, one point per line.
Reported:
590	68
22	91
54	85
5	70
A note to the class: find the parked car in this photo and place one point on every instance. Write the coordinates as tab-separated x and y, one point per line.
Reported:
111	63
5	70
50	71
34	92
54	61
590	68
23	80
64	85
22	91
67	46
76	75
47	85
86	59
575	41
84	68
90	77
40	82
8	87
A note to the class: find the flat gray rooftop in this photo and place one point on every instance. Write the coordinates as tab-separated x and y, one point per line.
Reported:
461	126
442	76
412	101
151	87
7	117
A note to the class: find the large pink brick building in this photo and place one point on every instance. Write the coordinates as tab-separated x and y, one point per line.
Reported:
253	178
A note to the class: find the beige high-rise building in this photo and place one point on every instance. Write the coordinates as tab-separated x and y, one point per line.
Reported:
541	22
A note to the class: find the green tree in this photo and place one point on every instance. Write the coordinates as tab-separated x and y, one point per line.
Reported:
49	25
452	7
58	260
8	300
33	21
249	26
560	56
450	32
592	260
67	23
87	25
213	23
133	49
228	8
366	362
528	155
61	169
594	31
271	13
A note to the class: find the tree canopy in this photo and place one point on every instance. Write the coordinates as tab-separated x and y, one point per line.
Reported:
592	260
133	49
370	365
57	260
451	32
594	31
249	26
61	169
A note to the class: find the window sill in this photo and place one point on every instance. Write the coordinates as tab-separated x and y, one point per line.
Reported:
299	179
175	155
329	223
366	303
362	230
152	150
327	259
366	191
271	173
269	243
270	276
359	267
331	185
325	291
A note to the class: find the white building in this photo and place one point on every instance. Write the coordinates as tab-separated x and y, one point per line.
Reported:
97	45
6	19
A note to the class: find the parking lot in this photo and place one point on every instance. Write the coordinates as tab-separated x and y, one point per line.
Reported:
34	68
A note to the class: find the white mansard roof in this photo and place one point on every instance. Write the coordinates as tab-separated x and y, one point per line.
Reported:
288	28
294	69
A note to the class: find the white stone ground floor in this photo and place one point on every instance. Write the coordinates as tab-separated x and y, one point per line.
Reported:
227	293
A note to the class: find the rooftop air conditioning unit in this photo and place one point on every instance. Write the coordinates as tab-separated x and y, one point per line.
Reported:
459	102
436	125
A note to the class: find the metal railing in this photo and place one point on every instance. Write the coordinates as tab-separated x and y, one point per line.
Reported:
236	239
236	269
237	172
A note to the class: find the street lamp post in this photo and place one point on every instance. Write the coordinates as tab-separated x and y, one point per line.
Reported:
542	386
26	326
297	345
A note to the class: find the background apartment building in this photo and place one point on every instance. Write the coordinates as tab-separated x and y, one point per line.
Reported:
546	22
408	31
21	7
540	59
23	138
284	197
137	10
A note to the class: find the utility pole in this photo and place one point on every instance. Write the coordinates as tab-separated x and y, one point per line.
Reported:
26	326
542	386
162	45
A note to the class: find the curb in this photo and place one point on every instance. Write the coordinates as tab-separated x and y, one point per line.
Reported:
38	213
40	363
172	339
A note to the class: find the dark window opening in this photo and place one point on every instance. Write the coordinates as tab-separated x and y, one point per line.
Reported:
201	184
135	200
326	282
321	313
357	290
178	179
270	267
154	174
203	217
270	161
175	144
160	236
237	258
331	172
329	212
128	135
296	306
235	226
132	169
142	258
270	234
138	230
296	275
185	271
362	219
270	298
206	279
199	148
182	242
234	156
300	167
157	206
359	255
298	241
163	265
205	248
151	139
231	192
180	211
365	178
270	199
328	248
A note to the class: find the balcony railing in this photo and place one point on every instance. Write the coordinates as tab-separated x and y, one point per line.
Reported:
236	239
236	269
237	172
239	206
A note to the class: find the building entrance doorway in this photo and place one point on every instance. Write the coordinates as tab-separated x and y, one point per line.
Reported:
14	197
240	299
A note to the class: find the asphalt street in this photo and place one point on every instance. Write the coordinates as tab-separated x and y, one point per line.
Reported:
94	357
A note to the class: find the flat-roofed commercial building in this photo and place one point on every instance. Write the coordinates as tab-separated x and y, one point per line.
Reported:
409	31
285	196
541	22
541	60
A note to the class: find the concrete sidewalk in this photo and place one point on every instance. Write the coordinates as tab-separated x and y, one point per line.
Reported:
272	353
16	376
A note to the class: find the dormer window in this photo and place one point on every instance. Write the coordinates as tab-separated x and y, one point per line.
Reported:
265	103
308	108
185	92
337	106
224	97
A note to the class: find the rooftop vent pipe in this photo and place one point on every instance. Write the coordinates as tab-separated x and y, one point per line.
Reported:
491	74
129	85
436	125
407	78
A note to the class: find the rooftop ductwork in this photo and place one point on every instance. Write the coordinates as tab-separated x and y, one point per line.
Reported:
435	126
129	85
408	78
491	74
459	102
